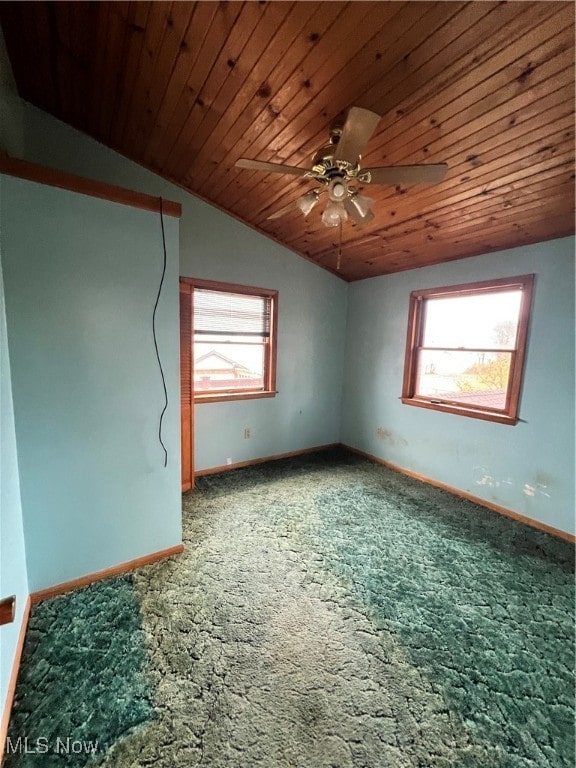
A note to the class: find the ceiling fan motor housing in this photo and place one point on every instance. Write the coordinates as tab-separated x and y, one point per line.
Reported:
325	167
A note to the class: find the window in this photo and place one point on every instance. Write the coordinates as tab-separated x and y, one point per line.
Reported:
233	341
465	348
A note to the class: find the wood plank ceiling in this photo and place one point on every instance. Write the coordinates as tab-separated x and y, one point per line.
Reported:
186	89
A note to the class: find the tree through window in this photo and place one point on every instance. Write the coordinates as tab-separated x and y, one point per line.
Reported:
465	348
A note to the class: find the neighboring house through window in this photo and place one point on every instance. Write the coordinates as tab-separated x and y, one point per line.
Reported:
212	367
465	348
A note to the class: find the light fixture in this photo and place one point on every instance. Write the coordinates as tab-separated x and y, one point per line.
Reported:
337	190
362	204
308	201
343	203
334	214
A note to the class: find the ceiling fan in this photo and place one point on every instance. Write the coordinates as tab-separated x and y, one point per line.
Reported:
336	167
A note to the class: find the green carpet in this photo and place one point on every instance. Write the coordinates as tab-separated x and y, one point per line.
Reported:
327	613
83	678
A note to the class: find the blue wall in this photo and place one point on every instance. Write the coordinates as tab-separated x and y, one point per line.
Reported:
528	468
312	327
13	576
81	277
312	305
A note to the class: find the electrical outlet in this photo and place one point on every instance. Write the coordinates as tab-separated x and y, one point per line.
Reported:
380	433
247	433
7	609
228	460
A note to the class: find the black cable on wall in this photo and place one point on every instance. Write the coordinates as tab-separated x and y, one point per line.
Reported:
156	340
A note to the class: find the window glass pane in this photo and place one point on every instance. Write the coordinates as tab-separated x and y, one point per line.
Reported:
228	365
470	378
485	321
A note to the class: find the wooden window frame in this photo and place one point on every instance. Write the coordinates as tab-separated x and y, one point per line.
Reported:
270	349
416	325
186	391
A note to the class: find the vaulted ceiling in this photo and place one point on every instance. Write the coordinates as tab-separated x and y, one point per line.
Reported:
186	89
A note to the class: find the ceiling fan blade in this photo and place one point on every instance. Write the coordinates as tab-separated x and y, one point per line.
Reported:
259	165
356	133
287	208
304	204
406	174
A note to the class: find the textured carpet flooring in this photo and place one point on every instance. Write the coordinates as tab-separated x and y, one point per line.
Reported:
83	679
327	613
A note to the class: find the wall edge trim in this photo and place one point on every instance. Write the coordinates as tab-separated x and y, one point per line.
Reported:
13	679
264	459
543	527
106	573
52	177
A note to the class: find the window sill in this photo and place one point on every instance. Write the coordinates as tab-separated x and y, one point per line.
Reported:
213	397
473	413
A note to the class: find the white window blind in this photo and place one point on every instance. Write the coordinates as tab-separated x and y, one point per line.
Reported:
218	313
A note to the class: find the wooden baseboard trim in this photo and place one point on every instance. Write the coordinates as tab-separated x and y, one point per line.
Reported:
468	496
116	570
53	177
13	679
264	459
